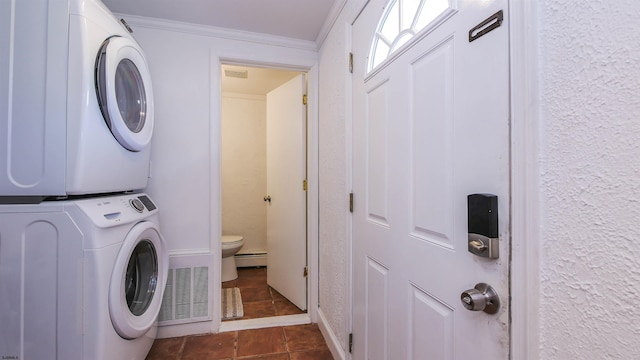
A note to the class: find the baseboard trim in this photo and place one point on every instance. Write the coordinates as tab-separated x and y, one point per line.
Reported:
259	323
251	260
330	337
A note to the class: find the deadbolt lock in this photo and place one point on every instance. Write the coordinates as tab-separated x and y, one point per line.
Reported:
483	246
481	298
482	225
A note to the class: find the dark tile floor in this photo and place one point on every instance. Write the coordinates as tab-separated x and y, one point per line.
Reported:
259	299
299	342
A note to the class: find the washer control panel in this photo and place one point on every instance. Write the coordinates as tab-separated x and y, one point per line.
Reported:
117	210
137	204
147	202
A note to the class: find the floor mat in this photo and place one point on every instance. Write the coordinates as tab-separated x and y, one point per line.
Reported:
232	304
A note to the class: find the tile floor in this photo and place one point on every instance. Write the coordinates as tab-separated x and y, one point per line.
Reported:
299	342
258	299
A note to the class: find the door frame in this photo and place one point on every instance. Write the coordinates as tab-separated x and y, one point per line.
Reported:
524	175
216	61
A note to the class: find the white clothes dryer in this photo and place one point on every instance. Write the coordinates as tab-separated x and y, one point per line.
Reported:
109	119
81	279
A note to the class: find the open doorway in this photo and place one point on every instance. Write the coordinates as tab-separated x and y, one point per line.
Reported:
263	173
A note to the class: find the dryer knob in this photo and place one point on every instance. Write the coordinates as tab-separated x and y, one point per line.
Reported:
137	204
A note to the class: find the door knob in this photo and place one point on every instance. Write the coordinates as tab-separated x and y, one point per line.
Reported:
481	298
267	198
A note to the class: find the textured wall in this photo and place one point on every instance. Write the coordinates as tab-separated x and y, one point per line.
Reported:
333	211
590	161
244	169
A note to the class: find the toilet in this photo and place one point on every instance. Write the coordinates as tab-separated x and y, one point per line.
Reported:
230	246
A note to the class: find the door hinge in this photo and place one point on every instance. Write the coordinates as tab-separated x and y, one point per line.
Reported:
304	185
305	272
351	63
351	202
304	99
351	342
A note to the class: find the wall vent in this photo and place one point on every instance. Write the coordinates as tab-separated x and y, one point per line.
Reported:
236	74
186	296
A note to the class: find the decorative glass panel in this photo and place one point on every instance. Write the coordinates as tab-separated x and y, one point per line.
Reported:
430	12
402	39
401	21
391	26
381	53
409	12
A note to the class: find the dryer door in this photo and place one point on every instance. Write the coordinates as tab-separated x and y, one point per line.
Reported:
138	281
123	85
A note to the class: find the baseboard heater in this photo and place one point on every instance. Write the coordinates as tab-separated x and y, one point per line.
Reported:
256	258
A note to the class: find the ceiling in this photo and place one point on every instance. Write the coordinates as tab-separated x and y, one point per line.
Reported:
297	19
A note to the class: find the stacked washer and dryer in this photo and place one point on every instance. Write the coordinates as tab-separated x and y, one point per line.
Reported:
83	265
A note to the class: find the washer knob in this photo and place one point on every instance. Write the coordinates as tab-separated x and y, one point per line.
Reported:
137	204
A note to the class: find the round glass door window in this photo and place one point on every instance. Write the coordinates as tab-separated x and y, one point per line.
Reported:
125	97
130	95
138	280
141	277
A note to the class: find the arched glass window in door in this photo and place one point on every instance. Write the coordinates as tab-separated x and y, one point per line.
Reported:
401	21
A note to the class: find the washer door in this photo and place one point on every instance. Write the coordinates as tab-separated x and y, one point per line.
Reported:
123	86
138	281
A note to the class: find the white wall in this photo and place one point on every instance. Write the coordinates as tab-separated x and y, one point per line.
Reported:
244	167
184	61
182	150
590	177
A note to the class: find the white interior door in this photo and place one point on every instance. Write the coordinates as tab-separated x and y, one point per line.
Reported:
431	126
287	208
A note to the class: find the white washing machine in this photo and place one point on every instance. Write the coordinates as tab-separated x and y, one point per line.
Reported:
100	141
81	279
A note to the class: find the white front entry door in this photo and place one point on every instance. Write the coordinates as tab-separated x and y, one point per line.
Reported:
287	205
430	127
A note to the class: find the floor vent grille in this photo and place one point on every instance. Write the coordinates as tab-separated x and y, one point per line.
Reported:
186	295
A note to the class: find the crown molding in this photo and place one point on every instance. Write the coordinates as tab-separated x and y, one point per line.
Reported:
334	13
211	31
